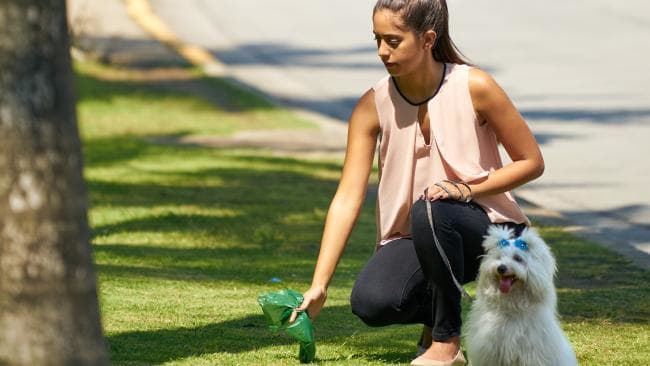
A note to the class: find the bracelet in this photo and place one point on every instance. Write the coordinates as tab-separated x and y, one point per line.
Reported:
463	198
460	192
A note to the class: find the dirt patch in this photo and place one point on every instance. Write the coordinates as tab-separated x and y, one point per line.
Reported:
284	142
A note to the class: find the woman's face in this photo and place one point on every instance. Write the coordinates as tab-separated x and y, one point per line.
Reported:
400	49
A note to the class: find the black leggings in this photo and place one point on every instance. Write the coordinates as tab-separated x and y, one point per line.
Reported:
406	281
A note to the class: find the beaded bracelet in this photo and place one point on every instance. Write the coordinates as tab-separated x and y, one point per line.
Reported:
460	192
469	195
463	197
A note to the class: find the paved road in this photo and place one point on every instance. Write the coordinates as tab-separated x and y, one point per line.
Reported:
576	70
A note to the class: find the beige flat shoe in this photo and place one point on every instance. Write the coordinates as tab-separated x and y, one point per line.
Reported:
459	360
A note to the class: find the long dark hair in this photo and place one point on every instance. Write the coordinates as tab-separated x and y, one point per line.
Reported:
423	15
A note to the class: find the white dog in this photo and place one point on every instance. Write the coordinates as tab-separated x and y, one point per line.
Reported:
513	321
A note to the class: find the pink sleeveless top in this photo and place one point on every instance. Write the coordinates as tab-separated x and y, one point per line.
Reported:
460	149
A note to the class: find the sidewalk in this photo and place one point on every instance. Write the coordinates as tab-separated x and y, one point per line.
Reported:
105	30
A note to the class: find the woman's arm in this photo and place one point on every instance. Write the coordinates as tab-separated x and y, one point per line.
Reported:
493	106
347	202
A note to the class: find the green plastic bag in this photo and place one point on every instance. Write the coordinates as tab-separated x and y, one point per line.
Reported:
277	307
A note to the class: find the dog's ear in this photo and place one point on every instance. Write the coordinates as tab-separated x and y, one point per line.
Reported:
495	234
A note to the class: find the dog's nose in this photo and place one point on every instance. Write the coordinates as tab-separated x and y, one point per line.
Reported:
502	269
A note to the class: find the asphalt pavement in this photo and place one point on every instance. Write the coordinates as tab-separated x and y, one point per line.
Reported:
574	69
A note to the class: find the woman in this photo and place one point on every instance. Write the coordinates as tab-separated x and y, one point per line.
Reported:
438	120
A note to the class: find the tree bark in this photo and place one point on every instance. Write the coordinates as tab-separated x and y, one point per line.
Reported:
49	313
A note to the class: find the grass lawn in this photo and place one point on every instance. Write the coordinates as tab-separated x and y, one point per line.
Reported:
185	238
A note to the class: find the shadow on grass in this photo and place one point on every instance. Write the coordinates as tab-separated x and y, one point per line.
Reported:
595	284
202	264
95	82
335	325
276	204
275	213
233	336
112	150
105	151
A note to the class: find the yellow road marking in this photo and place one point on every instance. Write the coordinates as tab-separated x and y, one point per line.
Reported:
140	11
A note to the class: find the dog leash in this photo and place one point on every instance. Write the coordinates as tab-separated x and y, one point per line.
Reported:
442	252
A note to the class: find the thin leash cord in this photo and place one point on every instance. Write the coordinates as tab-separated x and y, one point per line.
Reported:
442	252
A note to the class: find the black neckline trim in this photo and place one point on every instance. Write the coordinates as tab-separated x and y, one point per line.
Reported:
442	79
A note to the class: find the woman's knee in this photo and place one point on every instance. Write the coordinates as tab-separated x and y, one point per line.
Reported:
369	305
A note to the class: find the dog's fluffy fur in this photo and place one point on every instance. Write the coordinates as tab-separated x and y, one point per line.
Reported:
513	320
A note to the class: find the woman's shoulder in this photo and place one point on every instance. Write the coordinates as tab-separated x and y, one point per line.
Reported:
366	100
481	84
366	108
473	74
478	77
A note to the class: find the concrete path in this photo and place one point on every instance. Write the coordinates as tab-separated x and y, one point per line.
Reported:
574	72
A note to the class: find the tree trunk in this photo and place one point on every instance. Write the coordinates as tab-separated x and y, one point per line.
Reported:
49	313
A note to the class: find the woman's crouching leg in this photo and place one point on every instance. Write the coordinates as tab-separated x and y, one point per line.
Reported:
391	288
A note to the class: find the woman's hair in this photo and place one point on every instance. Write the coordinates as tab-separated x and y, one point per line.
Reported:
423	15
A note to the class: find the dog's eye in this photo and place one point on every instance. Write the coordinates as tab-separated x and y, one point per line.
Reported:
518	258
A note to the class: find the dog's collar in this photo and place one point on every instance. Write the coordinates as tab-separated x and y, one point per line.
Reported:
519	243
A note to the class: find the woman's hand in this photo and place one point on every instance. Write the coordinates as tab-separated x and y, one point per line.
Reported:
313	301
448	190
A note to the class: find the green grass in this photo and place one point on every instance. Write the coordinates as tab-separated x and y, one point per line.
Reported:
185	238
116	102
